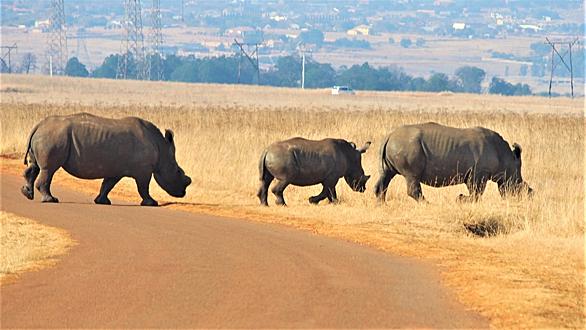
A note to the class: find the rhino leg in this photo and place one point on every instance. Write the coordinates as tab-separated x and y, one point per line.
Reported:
475	188
332	195
142	183
30	175
44	185
321	196
382	184
105	189
263	190
278	191
414	188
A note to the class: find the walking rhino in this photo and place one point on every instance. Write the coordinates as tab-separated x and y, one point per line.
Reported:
92	147
304	162
439	156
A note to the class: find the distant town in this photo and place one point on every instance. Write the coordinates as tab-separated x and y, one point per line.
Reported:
504	38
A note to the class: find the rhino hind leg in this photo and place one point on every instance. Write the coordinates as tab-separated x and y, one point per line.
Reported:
278	192
44	185
263	190
414	189
380	189
142	183
30	175
105	189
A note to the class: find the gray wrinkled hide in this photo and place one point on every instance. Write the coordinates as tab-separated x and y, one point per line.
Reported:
92	147
304	162
439	156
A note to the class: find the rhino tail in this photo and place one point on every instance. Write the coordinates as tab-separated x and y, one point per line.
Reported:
383	166
28	146
261	165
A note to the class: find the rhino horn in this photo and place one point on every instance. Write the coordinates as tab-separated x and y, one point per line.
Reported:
365	147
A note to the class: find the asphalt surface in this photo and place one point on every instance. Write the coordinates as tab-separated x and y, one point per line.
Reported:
153	267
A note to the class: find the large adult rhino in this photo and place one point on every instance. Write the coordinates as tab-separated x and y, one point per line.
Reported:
304	162
91	147
439	156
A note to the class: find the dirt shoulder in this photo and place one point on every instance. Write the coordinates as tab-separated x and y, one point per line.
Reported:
27	245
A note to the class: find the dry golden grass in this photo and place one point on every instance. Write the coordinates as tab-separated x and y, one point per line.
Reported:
26	245
530	275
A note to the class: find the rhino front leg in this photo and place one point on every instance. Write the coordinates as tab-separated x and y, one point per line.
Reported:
475	188
332	195
142	183
319	197
30	175
414	189
44	185
105	189
278	191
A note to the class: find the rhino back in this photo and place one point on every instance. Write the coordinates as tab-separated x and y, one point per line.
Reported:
304	162
102	147
450	153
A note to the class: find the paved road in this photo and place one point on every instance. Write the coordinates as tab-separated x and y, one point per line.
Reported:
154	267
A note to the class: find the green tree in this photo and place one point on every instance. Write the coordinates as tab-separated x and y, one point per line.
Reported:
523	70
319	75
74	68
502	87
438	82
405	43
312	37
470	78
108	68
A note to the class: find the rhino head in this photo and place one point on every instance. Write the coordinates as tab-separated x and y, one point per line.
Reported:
168	174
512	182
354	176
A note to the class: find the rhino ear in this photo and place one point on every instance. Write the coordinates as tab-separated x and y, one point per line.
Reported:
365	147
170	136
517	150
353	144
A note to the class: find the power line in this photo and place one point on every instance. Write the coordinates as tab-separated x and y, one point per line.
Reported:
56	53
156	60
8	55
554	52
132	47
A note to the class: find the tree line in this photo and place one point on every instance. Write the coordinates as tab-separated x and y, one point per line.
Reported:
286	72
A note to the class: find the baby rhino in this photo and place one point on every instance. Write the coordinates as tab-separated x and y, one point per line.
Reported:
91	147
441	156
304	162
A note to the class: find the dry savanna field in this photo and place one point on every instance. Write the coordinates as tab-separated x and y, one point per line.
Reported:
529	274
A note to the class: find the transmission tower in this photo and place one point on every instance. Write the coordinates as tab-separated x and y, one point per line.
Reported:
57	43
81	51
132	47
156	58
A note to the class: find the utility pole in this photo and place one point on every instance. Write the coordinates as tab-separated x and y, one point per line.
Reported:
132	47
554	52
156	59
303	50
303	70
249	56
8	55
183	11
56	52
